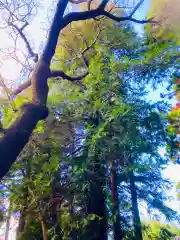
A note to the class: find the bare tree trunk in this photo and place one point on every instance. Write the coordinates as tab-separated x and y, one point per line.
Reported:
118	233
23	213
135	209
44	229
21	225
8	222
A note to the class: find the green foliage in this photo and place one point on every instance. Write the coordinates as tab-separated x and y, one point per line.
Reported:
157	231
167	12
104	119
32	231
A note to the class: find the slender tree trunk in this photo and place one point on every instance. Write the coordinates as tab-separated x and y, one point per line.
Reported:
21	225
23	213
8	222
44	229
118	233
74	233
135	209
55	212
97	227
96	202
96	199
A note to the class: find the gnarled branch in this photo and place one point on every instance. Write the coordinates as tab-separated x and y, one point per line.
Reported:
77	16
53	74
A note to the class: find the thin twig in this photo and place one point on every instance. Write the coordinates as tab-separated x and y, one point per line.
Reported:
7	94
24	38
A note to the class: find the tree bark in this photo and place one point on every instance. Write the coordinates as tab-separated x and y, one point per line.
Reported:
8	222
44	229
21	225
118	233
18	135
96	206
24	201
135	209
96	199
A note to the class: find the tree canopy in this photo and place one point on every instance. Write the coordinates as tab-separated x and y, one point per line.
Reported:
83	149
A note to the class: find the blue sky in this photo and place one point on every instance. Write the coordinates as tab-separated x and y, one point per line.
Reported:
141	14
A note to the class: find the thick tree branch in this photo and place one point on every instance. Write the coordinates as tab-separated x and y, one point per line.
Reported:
77	1
63	75
54	73
56	27
78	16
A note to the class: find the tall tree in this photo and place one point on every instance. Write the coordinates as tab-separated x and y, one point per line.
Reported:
113	92
18	134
